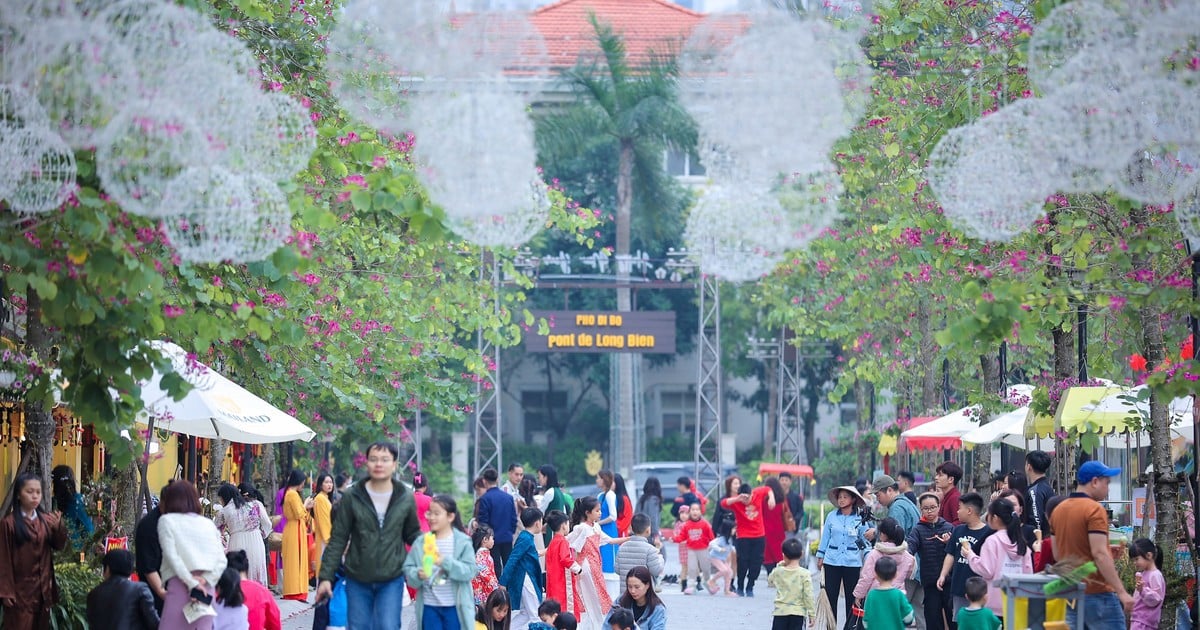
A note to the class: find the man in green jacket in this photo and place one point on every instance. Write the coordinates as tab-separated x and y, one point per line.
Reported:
374	521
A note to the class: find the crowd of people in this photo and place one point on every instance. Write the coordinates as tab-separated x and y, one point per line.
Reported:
532	556
935	559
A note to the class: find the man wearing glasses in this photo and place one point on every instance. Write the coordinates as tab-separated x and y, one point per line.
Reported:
375	521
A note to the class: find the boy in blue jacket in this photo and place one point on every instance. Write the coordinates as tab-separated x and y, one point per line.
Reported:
522	574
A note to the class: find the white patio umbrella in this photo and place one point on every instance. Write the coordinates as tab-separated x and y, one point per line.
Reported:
216	407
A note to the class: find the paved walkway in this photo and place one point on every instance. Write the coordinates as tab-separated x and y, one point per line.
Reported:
684	612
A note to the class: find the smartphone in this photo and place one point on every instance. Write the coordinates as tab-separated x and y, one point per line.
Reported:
199	595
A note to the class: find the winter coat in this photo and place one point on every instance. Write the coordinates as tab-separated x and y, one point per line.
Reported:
997	557
375	554
905	565
928	549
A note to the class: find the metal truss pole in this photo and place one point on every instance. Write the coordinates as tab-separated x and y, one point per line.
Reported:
639	413
707	454
789	434
488	420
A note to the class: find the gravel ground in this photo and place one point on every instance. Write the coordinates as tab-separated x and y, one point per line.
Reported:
684	612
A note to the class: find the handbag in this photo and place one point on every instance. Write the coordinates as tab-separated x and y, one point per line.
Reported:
789	521
275	541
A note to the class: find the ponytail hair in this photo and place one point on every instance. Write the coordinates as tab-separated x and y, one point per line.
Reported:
1143	546
1003	509
451	506
583	505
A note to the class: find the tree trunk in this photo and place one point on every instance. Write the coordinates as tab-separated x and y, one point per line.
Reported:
216	464
927	357
126	481
625	393
862	404
270	474
989	368
39	422
1065	366
1166	481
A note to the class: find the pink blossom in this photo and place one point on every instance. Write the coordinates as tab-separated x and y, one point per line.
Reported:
170	311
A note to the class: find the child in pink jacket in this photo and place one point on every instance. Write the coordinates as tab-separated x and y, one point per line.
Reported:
889	542
1004	552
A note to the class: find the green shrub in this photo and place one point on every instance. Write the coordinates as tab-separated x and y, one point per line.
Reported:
75	581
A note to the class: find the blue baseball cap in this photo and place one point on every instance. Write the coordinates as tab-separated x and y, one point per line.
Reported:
1093	469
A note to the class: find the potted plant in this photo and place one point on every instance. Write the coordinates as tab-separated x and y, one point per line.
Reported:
18	371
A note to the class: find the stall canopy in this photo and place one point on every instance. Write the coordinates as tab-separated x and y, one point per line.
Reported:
216	407
796	470
889	444
1008	428
943	433
1132	403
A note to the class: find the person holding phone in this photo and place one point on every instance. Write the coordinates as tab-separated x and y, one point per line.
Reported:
193	558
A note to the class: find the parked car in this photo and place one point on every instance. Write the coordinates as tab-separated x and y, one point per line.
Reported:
667	473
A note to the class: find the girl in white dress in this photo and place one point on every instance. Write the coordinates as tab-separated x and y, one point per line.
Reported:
585	540
245	525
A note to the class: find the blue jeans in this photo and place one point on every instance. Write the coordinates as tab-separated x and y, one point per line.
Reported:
440	618
1102	612
374	605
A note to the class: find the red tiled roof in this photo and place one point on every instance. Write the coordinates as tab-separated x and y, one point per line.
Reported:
647	26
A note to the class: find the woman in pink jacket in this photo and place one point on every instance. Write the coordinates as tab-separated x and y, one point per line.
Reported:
889	542
1004	552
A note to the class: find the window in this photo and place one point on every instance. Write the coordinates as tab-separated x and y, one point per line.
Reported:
543	410
678	410
849	413
680	163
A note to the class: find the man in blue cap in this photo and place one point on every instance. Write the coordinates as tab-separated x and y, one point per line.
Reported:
1080	527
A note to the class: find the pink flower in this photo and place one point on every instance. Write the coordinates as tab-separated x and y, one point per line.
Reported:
171	311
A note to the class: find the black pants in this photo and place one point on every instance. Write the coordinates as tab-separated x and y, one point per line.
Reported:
939	608
841	581
787	622
500	554
749	560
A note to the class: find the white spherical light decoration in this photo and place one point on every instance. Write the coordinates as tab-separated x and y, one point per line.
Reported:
142	150
225	216
507	230
778	95
39	169
369	64
477	146
726	230
76	71
810	203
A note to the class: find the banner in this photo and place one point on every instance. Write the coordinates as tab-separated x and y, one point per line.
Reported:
651	332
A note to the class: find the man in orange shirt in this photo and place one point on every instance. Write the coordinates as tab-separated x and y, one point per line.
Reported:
1080	527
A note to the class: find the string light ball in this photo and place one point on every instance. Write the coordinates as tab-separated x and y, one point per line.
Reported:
206	201
779	94
478	146
19	109
76	72
810	203
1066	44
736	234
511	230
381	50
277	140
267	227
142	150
39	170
988	186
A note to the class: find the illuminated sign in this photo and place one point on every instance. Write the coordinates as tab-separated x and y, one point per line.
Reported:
651	332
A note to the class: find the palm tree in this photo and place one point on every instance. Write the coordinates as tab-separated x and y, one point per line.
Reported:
637	109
